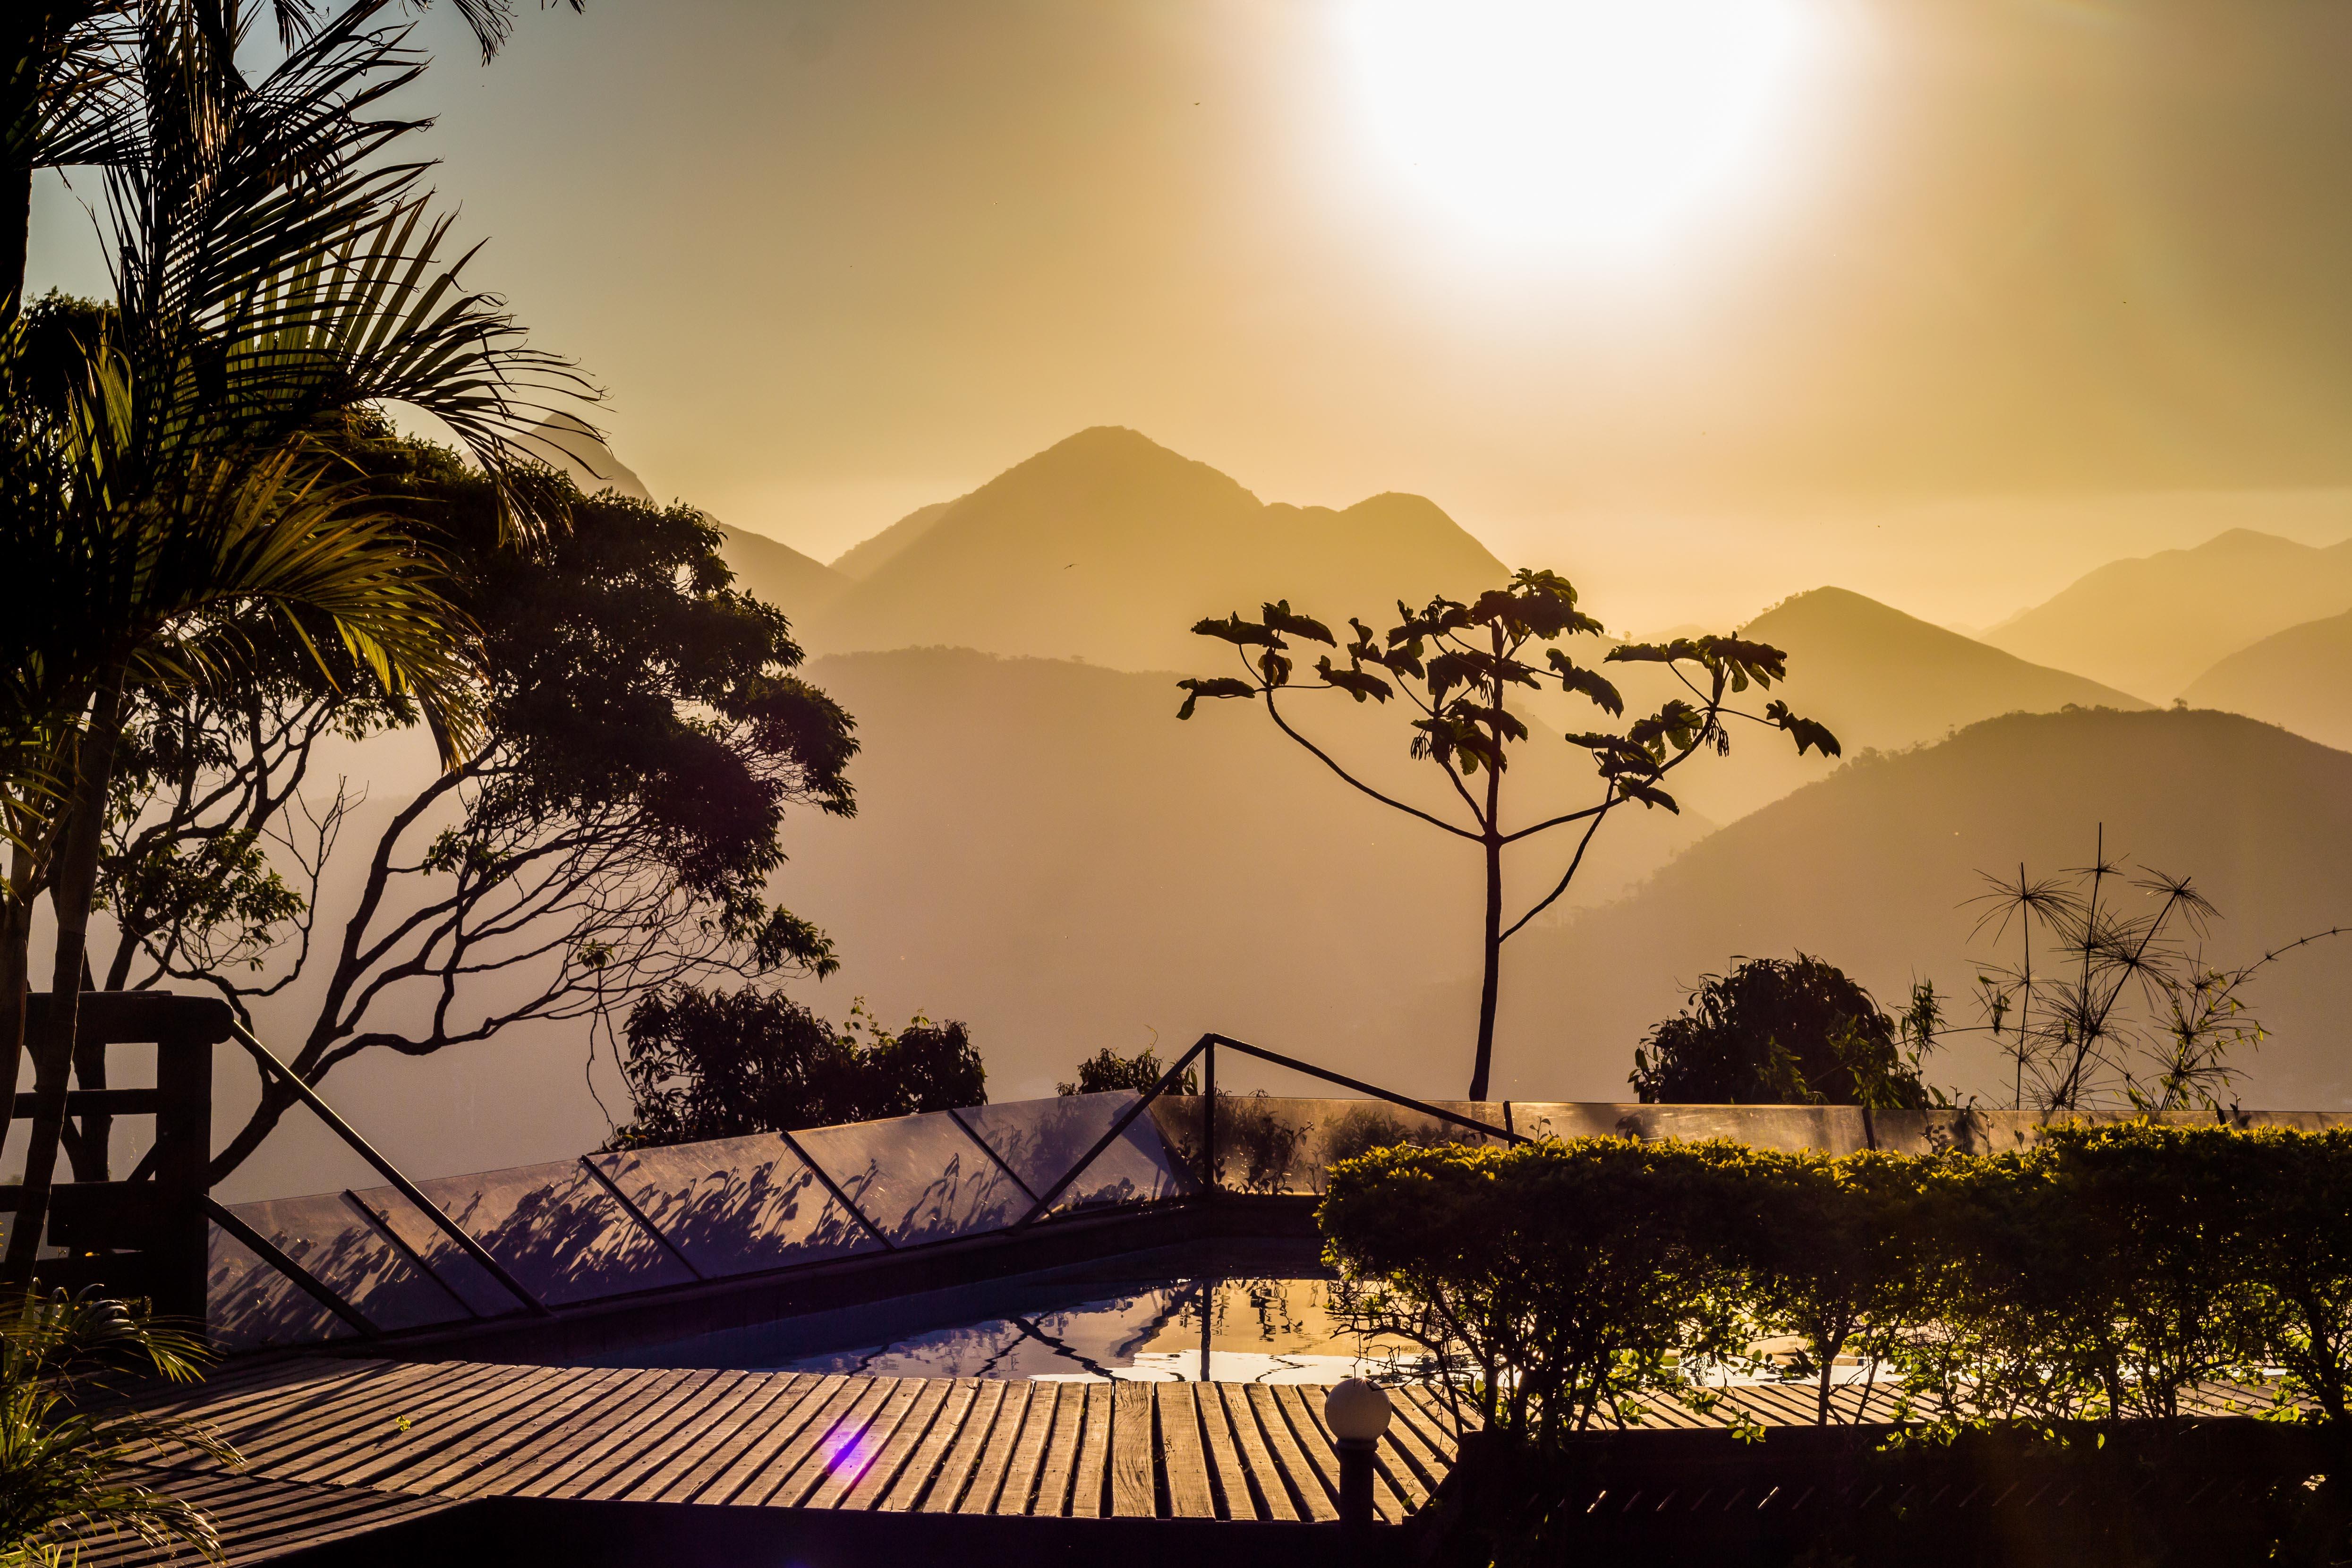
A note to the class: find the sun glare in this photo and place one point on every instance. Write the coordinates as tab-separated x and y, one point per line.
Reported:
1595	124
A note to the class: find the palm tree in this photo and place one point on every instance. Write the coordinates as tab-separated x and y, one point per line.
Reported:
170	474
62	72
64	1442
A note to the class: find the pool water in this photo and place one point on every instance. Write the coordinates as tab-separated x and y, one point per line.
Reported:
1202	1318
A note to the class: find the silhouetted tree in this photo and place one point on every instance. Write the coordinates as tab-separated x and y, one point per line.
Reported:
1107	1070
614	832
2110	1000
1456	664
1778	1031
725	1063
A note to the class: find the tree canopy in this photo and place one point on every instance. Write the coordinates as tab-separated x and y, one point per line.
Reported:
724	1063
1781	1031
1457	665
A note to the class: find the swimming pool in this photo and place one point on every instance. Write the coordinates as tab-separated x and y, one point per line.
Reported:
1227	1313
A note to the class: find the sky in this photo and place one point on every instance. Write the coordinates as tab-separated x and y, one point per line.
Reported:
1945	300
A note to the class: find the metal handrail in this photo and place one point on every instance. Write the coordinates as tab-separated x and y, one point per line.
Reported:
269	1252
1208	1043
390	1173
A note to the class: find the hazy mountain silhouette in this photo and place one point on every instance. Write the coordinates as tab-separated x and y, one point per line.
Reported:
1881	679
868	556
795	583
2153	624
776	573
2300	679
1109	547
565	443
1874	867
1041	849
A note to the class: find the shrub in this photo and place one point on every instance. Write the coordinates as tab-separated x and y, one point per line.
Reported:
65	1440
1107	1070
1778	1031
1559	1280
725	1063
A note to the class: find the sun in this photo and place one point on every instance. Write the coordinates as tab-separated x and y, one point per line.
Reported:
1596	124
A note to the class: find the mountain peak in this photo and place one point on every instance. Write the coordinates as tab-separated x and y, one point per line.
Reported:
1109	545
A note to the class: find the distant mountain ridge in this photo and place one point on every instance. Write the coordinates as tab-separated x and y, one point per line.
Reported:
868	556
2151	624
1881	680
1108	546
2300	679
768	570
1873	869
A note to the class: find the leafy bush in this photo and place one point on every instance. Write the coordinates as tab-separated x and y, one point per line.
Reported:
2063	1300
723	1064
2100	1276
1107	1070
1552	1282
1778	1031
64	1441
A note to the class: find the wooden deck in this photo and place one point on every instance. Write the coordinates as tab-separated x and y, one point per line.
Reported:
259	1519
451	1431
352	1445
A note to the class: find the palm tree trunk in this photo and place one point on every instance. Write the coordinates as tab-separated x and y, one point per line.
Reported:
16	979
15	229
70	896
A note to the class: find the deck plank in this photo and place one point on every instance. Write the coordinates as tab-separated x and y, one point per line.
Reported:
1089	1492
1318	1499
995	1454
1404	1447
1269	1490
832	1392
672	1437
1061	1461
874	1483
913	1482
435	1433
853	1463
1183	1452
340	1430
1134	1493
644	1421
1029	1448
732	1422
955	1470
1226	1471
303	1414
1432	1423
577	1445
800	1466
546	1447
512	1449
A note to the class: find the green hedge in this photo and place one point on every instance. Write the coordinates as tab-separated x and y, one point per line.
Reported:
2100	1277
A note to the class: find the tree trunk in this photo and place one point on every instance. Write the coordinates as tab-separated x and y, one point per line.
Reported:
1490	985
16	228
70	896
16	979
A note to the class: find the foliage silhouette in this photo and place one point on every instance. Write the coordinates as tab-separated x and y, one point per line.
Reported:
1107	1070
1778	1031
65	1438
645	735
274	267
2065	1295
1456	664
2104	1005
722	1064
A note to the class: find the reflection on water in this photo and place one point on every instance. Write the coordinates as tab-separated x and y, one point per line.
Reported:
1253	1311
1224	1330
